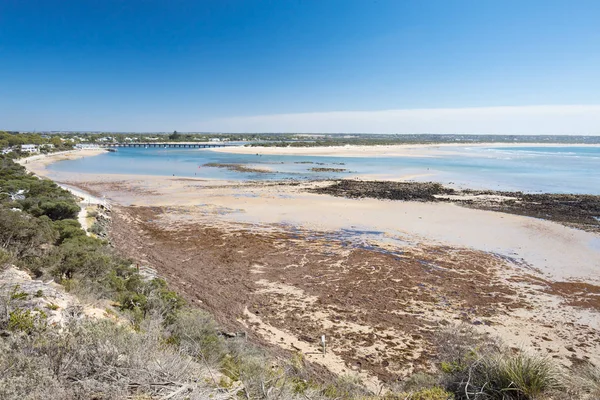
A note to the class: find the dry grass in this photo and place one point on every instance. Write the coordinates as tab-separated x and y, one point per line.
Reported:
478	368
98	359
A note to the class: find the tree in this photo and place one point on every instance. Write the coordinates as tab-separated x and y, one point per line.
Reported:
59	210
23	235
68	228
56	141
174	136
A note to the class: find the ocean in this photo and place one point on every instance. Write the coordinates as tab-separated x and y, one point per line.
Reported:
557	169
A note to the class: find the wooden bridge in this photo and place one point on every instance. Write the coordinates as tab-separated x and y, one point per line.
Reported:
190	145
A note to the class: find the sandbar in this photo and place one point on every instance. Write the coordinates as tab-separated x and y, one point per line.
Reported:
400	150
281	259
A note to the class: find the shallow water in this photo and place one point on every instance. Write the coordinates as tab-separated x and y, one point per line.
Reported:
567	169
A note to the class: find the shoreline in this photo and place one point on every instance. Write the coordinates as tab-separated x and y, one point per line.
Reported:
37	164
259	254
459	180
396	150
288	281
561	251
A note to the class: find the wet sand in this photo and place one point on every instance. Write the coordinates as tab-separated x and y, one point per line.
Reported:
377	277
555	250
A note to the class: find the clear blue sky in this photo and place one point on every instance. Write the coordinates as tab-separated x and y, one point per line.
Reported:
165	65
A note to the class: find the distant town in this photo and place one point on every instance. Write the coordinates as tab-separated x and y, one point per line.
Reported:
45	142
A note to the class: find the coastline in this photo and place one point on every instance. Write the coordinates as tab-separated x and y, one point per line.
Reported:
399	150
286	265
272	202
37	164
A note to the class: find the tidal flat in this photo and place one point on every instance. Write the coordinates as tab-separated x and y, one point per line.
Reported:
378	268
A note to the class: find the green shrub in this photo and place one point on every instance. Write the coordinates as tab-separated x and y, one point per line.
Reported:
345	387
434	393
23	235
419	381
83	256
17	294
68	228
5	257
531	375
458	346
196	334
451	367
21	320
58	210
133	301
97	229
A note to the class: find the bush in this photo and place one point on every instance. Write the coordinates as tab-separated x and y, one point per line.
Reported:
345	387
100	360
58	210
196	334
588	379
5	257
506	376
459	345
17	294
97	229
419	381
27	321
23	235
476	367
67	229
434	393
144	298
83	256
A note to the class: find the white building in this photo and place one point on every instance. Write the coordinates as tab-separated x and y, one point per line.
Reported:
30	148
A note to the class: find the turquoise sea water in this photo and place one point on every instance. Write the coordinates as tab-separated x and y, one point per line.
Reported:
565	169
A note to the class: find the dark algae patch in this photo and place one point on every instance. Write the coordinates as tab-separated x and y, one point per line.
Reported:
316	169
414	191
237	168
578	210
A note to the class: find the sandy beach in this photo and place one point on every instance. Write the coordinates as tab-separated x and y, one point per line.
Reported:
36	164
378	277
402	150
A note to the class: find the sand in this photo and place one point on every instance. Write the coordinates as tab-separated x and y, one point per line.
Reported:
379	299
37	163
403	150
187	228
557	251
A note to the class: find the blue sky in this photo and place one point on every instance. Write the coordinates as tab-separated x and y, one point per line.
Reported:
226	65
